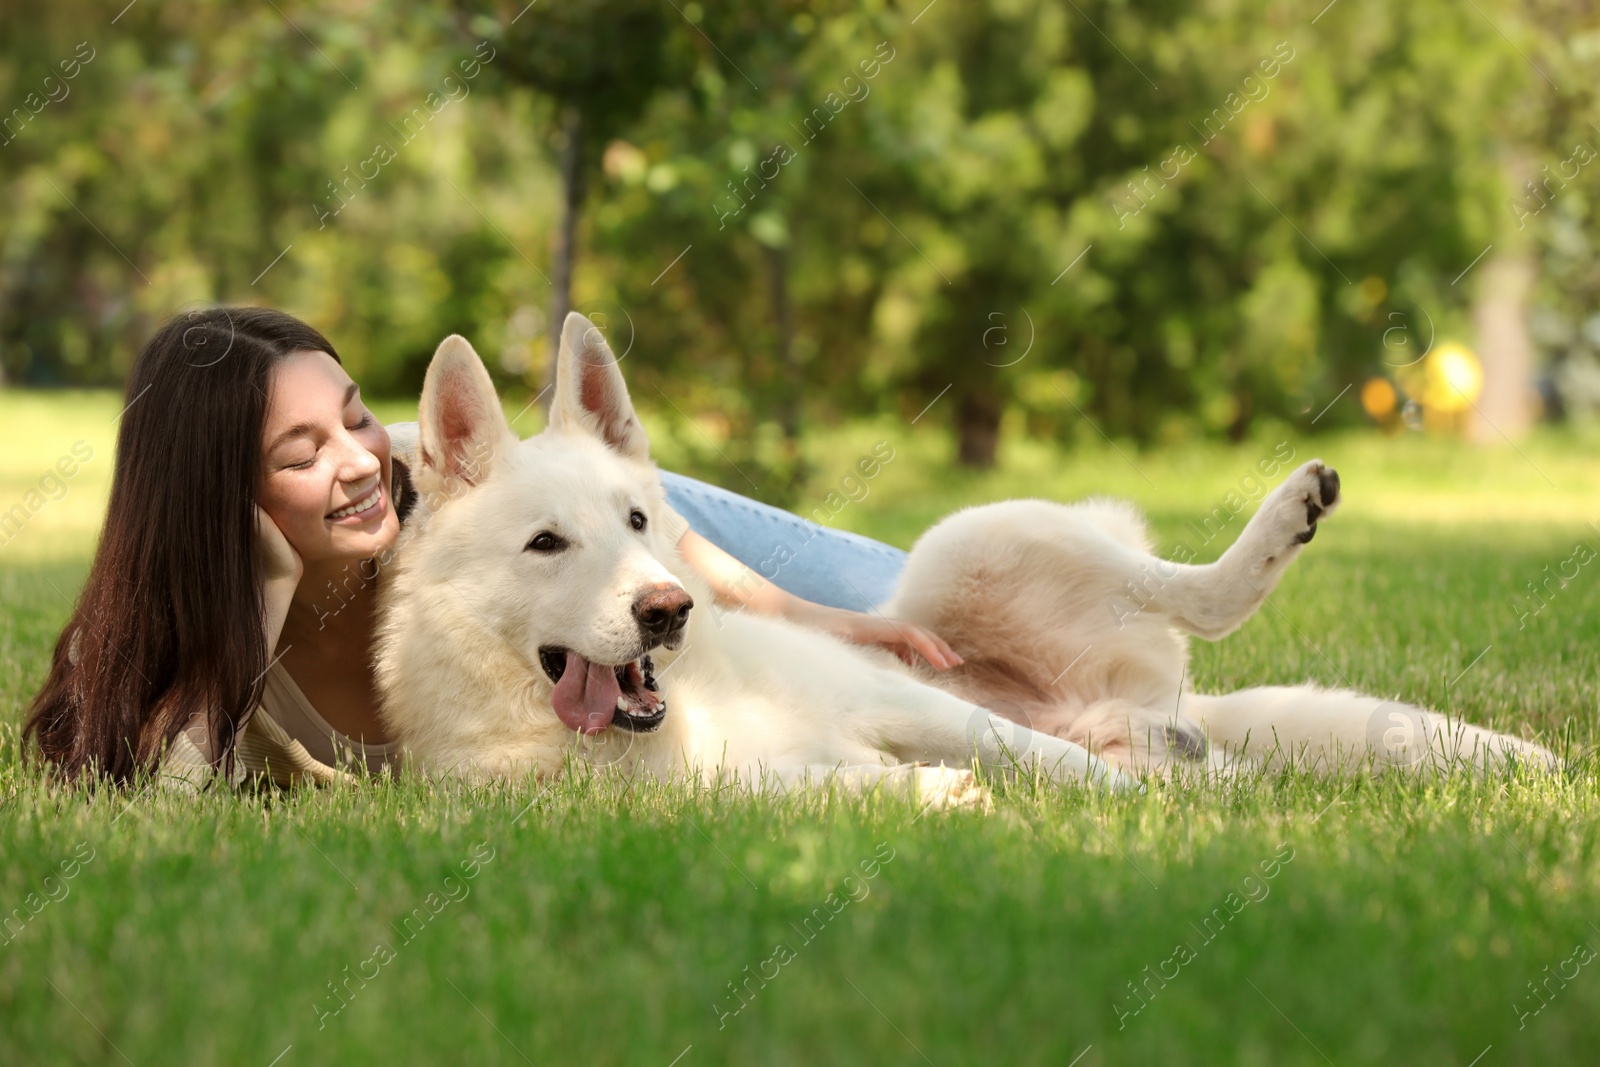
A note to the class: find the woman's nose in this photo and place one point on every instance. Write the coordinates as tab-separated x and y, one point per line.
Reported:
358	463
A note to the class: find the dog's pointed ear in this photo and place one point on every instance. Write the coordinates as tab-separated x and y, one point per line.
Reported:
589	391
462	427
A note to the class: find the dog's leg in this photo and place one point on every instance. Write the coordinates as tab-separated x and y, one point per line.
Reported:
921	724
1212	600
1141	739
1332	729
1069	601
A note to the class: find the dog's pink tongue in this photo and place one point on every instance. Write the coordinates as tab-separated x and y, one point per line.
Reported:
586	696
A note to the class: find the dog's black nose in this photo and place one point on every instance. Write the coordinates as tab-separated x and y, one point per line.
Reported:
662	610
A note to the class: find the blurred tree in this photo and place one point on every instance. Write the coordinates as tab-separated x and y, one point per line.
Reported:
1202	221
599	62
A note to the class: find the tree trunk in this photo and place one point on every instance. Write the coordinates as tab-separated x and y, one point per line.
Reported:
1508	404
1244	410
978	429
565	254
1505	283
788	369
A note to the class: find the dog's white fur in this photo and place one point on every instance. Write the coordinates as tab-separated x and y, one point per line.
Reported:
1067	623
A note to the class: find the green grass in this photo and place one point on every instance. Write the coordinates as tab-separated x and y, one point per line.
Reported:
609	924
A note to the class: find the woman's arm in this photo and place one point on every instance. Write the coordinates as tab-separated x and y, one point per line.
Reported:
735	585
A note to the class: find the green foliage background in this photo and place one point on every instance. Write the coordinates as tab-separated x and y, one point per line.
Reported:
1257	191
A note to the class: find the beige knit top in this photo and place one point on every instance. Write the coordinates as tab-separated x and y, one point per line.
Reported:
286	741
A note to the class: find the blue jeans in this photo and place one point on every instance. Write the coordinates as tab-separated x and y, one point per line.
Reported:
833	567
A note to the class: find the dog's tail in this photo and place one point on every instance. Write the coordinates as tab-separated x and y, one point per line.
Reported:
1334	729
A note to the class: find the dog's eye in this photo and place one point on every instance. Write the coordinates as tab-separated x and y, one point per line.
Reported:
545	541
637	520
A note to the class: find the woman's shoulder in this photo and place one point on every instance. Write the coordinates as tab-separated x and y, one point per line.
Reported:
265	750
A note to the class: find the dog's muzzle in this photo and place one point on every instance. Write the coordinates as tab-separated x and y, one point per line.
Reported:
589	701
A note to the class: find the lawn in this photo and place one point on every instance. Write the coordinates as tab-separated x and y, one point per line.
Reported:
1281	920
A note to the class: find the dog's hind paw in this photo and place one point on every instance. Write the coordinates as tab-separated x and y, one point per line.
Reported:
1305	498
950	788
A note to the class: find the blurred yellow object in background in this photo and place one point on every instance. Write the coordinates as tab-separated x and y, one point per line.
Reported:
1439	392
1453	378
1378	398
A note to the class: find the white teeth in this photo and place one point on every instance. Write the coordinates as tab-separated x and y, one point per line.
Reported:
622	705
366	505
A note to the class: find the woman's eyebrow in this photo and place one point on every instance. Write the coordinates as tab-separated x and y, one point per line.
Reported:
300	429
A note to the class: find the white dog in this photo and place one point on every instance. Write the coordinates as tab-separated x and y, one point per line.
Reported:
534	615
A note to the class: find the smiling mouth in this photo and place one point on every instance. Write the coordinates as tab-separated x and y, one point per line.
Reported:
591	696
362	506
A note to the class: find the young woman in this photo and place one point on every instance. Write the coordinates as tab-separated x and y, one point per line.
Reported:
228	616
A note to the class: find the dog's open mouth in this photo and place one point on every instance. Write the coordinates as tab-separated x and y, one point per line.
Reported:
591	696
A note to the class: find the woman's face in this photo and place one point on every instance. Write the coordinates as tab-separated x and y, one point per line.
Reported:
325	463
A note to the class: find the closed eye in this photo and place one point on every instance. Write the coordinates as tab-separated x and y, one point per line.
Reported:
361	424
545	541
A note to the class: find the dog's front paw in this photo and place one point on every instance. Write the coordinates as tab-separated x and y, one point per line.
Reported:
1305	498
949	788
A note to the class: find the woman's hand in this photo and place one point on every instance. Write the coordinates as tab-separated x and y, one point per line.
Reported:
281	570
905	639
280	563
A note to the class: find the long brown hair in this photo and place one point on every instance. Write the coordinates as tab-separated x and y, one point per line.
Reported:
169	623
